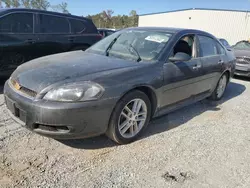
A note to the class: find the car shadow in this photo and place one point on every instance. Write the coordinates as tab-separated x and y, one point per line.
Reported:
166	122
1	89
2	81
183	115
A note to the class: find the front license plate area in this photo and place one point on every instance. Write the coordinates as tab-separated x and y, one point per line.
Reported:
10	105
20	114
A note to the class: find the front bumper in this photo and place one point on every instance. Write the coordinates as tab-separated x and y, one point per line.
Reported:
57	119
242	70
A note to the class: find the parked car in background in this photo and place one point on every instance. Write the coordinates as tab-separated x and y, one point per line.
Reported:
225	43
117	85
105	32
26	34
242	53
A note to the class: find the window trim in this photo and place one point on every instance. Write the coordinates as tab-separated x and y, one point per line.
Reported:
20	12
201	49
77	20
196	44
224	51
65	17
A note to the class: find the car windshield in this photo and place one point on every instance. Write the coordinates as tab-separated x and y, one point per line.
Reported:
242	45
137	45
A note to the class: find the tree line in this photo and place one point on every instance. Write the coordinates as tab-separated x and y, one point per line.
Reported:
34	4
105	19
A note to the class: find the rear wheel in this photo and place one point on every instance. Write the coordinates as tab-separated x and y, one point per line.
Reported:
220	88
130	117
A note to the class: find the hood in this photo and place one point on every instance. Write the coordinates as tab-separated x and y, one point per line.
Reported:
241	53
40	73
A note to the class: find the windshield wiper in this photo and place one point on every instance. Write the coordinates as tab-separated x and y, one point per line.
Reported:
111	44
137	53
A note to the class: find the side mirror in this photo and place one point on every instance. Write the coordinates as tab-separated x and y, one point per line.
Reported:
180	56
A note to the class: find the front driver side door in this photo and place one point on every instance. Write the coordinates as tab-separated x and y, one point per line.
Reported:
181	79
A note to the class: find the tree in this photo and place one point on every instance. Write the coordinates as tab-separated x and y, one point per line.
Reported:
106	19
35	4
15	3
26	3
40	4
8	3
61	8
133	18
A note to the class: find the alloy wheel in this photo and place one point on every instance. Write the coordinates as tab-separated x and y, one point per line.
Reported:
132	118
221	86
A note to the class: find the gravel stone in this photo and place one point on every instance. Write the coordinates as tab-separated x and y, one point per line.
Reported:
206	144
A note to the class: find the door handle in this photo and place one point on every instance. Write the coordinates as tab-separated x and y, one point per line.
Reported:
30	41
221	62
71	39
196	67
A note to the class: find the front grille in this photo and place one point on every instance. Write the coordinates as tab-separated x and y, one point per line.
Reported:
242	73
243	60
22	89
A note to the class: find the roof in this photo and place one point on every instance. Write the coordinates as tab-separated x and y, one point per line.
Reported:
194	9
105	29
169	30
40	11
163	29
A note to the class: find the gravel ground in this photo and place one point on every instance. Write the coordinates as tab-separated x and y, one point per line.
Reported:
203	145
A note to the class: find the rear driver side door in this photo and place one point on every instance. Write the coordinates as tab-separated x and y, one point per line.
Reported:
53	34
17	40
212	61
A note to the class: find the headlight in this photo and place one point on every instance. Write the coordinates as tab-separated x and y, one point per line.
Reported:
85	91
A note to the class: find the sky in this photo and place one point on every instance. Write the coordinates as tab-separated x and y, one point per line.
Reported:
86	7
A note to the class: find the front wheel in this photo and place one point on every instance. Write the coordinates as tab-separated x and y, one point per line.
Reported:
220	88
130	116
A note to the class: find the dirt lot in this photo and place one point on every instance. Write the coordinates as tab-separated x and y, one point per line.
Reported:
203	145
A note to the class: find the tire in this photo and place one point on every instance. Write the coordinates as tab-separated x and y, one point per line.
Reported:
220	88
122	119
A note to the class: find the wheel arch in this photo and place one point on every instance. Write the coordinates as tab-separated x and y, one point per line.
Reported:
228	73
149	91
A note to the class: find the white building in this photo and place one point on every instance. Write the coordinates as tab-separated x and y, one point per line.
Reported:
231	25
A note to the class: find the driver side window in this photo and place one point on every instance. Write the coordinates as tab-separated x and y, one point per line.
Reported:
185	45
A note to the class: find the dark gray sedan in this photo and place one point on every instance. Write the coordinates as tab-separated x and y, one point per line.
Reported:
119	84
242	53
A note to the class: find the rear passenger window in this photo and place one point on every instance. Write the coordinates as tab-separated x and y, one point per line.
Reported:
77	26
53	24
17	23
208	46
221	50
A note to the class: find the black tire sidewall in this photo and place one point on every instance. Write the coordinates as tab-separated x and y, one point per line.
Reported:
214	95
113	131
